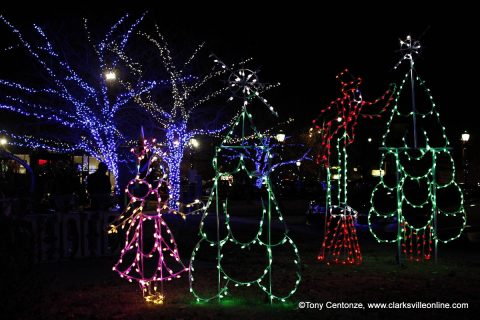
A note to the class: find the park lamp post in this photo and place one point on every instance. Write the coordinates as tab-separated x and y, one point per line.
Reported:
3	142
465	138
110	75
194	143
280	136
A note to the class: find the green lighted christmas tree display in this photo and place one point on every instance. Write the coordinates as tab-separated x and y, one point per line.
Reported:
417	191
263	240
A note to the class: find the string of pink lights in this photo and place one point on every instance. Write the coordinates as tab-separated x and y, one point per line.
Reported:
146	261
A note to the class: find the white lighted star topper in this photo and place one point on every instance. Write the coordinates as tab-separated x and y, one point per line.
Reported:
408	47
244	84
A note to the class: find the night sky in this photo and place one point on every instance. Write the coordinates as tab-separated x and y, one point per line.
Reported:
303	45
304	48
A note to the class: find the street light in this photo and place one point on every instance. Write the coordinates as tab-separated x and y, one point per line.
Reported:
465	138
194	143
3	141
110	75
280	136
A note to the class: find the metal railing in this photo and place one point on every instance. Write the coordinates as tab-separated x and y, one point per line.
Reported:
59	235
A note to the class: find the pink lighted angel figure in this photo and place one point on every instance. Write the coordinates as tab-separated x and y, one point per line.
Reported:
150	256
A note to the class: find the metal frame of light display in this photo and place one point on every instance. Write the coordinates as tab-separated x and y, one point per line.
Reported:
244	83
340	118
415	240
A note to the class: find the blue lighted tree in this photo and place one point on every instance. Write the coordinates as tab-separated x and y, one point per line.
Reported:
82	99
271	161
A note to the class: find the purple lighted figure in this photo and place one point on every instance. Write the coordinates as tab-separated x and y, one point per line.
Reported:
150	255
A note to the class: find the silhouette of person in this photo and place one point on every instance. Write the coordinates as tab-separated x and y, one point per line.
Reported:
99	187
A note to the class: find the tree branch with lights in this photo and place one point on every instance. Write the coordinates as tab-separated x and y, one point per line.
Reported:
272	160
177	108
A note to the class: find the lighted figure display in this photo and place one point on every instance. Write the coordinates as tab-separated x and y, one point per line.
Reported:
418	191
83	100
245	84
150	255
339	120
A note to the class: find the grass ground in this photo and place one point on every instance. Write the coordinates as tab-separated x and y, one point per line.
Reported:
88	289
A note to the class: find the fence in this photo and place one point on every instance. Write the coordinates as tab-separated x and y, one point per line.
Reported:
61	235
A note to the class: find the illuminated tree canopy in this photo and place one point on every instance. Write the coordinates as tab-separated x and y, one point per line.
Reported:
83	100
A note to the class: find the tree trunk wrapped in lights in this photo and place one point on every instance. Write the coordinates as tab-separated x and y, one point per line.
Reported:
240	140
338	122
417	193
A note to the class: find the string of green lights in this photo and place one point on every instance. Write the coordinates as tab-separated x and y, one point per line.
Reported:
415	241
270	209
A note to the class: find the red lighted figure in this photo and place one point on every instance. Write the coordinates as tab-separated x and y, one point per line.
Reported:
336	127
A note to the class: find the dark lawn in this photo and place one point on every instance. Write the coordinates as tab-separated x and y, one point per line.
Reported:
89	289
